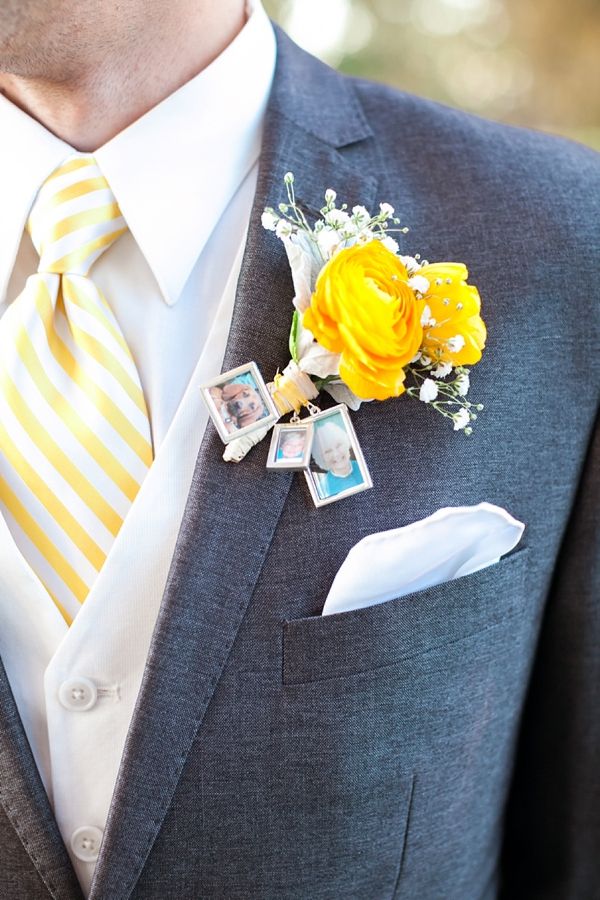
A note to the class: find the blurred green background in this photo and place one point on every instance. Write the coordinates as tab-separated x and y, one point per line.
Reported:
529	62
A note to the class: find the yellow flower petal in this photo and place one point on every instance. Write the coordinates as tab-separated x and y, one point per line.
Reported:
454	307
364	309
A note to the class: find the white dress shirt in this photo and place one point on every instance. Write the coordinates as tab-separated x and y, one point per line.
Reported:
184	176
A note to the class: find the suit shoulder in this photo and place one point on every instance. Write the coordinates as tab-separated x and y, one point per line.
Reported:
399	119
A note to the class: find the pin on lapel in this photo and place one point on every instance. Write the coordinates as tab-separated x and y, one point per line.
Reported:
368	324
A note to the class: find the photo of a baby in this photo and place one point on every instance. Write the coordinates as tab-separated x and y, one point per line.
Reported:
290	446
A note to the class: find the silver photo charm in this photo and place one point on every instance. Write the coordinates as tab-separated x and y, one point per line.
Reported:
337	467
291	445
239	402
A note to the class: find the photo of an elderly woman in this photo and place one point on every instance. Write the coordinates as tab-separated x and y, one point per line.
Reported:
333	455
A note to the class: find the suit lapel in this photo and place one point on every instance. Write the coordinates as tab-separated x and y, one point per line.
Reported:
232	510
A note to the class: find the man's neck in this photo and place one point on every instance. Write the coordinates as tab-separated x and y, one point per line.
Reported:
92	105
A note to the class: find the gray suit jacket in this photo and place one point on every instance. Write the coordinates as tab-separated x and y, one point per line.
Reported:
445	745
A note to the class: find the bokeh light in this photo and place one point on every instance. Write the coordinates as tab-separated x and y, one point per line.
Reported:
534	64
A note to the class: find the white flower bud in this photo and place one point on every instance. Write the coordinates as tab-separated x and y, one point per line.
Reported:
330	196
386	209
288	178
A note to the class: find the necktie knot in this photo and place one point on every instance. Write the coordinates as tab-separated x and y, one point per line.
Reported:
74	217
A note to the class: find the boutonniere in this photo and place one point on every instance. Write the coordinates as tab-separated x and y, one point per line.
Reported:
368	324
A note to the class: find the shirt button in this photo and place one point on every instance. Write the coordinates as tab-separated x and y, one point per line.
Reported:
78	693
85	843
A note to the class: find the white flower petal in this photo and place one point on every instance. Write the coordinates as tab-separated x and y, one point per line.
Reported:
337	218
390	244
419	283
425	316
361	215
463	384
328	240
341	393
314	359
269	220
461	419
305	263
456	343
428	391
442	369
350	228
304	339
283	228
411	264
386	209
365	236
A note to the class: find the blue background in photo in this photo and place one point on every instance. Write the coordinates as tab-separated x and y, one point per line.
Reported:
329	484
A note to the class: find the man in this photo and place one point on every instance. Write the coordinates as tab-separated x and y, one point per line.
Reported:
166	641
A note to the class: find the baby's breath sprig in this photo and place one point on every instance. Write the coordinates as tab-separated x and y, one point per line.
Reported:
338	226
448	397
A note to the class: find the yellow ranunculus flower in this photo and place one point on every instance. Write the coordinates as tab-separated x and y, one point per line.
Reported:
364	309
458	333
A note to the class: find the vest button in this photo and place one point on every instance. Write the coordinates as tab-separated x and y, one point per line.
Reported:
78	693
85	843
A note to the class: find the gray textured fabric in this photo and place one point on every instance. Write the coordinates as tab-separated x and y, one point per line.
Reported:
371	755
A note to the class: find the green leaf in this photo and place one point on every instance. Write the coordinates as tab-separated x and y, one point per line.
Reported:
321	383
294	336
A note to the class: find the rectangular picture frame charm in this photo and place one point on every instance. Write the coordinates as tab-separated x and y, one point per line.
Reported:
239	402
291	446
337	467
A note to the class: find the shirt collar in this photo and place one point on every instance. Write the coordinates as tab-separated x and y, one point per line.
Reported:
173	171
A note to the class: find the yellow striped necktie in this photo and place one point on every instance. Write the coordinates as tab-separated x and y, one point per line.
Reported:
74	427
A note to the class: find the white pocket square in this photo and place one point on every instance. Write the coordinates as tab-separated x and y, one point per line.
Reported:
454	541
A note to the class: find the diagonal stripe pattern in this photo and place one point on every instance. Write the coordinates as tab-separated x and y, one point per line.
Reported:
74	428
